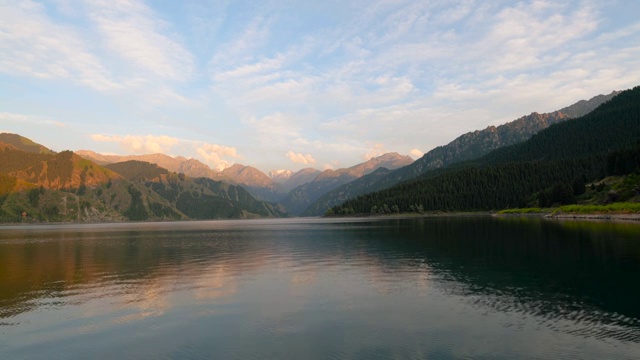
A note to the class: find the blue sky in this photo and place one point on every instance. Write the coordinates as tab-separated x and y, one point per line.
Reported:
292	84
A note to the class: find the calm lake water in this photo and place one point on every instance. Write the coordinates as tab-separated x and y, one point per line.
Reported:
441	287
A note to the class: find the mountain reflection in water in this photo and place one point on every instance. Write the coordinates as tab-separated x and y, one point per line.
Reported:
337	288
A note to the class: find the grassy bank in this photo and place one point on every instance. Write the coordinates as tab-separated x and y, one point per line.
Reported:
524	211
615	208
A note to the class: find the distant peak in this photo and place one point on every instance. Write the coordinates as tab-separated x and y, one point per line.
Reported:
280	175
390	156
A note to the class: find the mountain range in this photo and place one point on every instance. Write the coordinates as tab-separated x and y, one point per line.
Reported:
465	147
289	180
37	184
87	186
553	166
302	196
309	183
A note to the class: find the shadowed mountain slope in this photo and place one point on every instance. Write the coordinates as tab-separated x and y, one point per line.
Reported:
469	146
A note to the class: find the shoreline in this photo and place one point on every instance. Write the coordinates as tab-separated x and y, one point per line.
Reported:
633	217
609	217
627	217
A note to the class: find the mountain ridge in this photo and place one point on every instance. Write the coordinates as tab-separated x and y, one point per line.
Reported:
24	144
37	186
551	166
467	146
299	198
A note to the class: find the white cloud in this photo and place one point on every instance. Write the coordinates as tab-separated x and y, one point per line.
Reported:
251	69
140	144
242	48
299	158
524	34
132	31
32	45
375	151
416	154
276	129
214	154
126	50
394	75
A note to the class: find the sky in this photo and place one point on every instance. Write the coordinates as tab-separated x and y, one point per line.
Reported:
285	84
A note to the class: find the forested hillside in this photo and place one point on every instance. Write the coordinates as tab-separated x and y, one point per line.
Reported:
201	198
41	186
552	167
469	146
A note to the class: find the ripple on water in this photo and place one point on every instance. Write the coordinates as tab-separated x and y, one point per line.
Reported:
420	288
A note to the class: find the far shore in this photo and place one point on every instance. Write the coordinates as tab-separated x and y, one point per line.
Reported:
571	216
544	214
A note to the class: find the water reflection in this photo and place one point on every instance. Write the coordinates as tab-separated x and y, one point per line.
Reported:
266	280
581	272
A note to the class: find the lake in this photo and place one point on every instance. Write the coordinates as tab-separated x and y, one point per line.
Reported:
374	288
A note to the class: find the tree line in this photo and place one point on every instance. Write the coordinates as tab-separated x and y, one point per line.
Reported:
552	167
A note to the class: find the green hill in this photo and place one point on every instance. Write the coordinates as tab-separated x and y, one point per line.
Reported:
552	166
466	147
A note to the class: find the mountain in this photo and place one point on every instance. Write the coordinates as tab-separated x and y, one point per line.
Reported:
64	170
465	147
583	107
24	144
552	166
298	199
40	186
246	175
178	164
254	180
289	180
99	159
48	186
200	198
280	176
300	177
